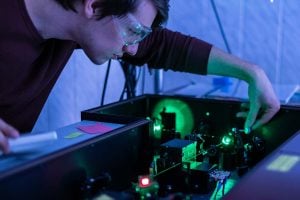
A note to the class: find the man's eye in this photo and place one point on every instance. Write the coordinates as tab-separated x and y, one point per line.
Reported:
135	31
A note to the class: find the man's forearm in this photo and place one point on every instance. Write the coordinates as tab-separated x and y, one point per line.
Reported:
223	64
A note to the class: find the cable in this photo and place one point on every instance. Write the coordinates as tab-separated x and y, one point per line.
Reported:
220	26
105	82
225	41
131	79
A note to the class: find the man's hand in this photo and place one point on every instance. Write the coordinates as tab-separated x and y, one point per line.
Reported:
6	131
263	103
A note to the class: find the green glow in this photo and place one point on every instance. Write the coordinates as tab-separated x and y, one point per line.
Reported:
283	163
247	130
184	115
157	127
227	140
207	114
267	132
185	165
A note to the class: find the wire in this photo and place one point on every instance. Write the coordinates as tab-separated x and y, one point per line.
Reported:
124	67
220	25
225	41
105	82
143	81
132	77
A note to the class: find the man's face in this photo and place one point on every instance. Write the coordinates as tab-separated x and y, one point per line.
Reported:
111	37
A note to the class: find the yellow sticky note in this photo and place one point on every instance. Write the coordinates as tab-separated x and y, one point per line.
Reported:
73	135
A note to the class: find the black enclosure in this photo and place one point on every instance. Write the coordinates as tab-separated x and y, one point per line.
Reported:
222	115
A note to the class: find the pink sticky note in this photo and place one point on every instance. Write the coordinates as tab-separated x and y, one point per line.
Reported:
95	128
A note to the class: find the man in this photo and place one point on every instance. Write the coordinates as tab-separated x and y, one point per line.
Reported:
40	36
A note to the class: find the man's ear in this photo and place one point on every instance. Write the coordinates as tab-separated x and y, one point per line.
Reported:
89	9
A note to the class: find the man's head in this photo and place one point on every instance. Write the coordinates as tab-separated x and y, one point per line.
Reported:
110	28
105	8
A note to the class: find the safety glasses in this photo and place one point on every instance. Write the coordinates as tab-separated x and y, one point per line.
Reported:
130	29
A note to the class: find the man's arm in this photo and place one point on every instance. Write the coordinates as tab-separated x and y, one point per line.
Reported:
262	98
173	50
170	50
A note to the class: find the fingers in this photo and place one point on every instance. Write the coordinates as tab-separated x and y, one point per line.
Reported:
257	116
6	131
244	112
245	105
251	117
267	116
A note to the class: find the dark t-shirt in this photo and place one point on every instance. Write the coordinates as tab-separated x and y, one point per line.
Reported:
30	65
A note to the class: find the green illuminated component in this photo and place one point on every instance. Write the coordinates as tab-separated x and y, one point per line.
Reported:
189	152
181	150
185	165
157	127
184	116
227	140
283	163
247	130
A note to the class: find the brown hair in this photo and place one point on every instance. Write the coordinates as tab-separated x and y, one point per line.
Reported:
105	8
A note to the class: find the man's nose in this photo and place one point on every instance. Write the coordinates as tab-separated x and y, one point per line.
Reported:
131	49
